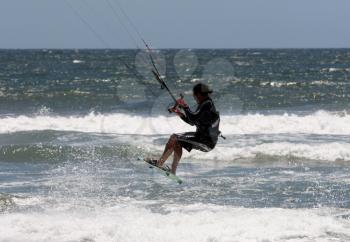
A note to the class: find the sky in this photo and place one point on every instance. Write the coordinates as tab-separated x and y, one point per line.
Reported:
175	23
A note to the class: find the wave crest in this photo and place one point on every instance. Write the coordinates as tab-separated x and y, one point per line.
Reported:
320	122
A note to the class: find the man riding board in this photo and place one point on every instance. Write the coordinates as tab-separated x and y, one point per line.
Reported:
205	118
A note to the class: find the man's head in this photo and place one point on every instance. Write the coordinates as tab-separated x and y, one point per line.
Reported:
201	92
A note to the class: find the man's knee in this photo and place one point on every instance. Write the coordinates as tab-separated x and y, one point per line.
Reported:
172	140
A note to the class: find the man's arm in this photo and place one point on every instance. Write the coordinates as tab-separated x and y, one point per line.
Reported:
181	115
199	114
186	119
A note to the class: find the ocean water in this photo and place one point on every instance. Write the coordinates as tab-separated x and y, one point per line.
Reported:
73	122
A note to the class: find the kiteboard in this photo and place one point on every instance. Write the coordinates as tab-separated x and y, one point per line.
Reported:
161	170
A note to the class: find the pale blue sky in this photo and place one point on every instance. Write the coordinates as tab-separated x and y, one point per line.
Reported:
177	23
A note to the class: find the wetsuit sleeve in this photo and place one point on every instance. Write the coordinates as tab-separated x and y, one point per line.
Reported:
185	118
201	115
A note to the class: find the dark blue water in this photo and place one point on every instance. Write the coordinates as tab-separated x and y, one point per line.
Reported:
84	80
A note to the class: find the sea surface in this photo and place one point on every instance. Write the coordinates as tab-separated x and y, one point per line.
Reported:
73	122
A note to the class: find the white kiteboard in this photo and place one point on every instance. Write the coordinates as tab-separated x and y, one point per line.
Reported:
162	171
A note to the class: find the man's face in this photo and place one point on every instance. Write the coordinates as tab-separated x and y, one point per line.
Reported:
197	97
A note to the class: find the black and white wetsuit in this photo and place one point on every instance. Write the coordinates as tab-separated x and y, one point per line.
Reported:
207	121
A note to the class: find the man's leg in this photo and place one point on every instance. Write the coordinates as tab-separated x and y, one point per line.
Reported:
168	150
177	157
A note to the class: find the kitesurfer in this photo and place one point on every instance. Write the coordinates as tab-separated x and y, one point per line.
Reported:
205	118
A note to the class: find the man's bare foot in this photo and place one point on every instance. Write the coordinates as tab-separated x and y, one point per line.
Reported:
167	169
153	162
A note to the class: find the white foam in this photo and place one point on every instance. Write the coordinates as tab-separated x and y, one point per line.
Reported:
322	152
113	123
77	61
318	123
182	223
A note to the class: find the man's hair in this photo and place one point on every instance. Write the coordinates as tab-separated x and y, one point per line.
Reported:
202	89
